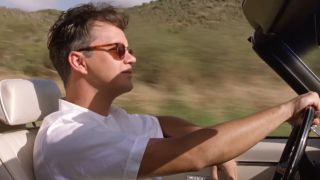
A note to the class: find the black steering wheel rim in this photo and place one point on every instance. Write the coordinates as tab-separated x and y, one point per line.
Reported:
295	147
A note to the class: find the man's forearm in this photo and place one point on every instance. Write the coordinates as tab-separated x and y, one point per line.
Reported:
210	146
240	133
235	137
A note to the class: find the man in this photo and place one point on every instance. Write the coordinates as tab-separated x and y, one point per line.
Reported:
89	139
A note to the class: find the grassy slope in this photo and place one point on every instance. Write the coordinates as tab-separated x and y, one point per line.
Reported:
22	41
193	59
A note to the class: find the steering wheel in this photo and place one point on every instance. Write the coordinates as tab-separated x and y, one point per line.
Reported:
294	149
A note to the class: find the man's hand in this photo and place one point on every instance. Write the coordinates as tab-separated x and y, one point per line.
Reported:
229	169
299	104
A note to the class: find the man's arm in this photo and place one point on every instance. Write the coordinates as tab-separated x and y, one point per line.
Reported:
229	169
213	145
175	127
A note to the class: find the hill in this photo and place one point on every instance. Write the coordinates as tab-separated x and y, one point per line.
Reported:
23	41
190	12
194	59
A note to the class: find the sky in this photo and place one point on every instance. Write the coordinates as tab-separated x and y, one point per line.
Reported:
33	5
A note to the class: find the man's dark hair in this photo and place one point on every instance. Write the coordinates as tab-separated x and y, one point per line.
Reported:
72	31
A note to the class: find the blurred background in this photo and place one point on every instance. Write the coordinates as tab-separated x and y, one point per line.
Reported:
193	59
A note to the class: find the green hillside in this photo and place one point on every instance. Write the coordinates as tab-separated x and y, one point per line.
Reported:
23	41
194	59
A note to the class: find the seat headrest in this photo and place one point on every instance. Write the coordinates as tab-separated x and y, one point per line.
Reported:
23	101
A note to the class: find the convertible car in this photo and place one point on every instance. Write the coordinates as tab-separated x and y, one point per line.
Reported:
283	31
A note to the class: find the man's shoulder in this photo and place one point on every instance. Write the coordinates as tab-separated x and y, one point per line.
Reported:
117	111
59	115
60	124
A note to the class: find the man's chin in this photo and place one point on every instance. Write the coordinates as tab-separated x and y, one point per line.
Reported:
130	88
126	89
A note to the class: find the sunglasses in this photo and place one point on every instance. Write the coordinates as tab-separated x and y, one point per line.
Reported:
119	48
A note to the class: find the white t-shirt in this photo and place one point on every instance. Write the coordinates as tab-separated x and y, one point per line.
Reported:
75	143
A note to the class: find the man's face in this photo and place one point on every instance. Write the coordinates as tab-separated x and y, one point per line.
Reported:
106	70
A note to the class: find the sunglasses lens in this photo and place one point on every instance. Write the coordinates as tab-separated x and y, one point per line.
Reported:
121	50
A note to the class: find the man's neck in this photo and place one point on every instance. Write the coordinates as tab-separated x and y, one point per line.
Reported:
90	98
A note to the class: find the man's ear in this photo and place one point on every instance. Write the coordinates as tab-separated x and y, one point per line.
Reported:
77	62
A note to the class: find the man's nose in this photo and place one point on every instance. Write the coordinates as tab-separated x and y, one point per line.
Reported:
129	58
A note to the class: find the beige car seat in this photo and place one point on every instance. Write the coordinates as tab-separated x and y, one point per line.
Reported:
22	102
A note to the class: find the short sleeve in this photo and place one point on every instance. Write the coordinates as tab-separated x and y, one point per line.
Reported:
135	157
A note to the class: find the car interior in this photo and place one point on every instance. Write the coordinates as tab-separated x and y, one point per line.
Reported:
283	30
